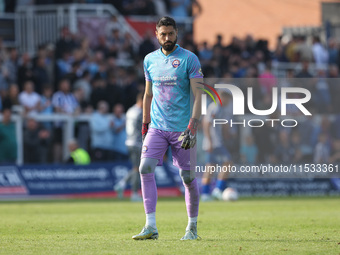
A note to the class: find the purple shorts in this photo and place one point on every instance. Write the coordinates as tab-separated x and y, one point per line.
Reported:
157	142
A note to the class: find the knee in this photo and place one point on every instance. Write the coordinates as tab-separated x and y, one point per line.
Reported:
187	176
147	166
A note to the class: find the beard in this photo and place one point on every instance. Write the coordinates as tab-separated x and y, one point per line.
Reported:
168	45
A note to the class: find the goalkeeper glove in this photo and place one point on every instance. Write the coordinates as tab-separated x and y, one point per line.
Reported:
188	137
145	128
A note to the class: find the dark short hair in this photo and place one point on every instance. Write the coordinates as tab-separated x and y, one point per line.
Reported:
166	21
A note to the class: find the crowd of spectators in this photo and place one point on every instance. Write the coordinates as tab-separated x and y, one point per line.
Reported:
71	77
248	63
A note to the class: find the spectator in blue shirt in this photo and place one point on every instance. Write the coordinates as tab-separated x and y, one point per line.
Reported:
119	148
101	132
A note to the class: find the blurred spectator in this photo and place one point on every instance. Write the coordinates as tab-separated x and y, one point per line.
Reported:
93	65
322	151
267	80
284	152
72	76
101	127
117	94
101	47
289	79
303	52
66	43
322	97
127	51
138	7
145	7
11	97
118	146
249	151
130	88
82	128
296	147
180	8
63	65
218	44
41	77
25	70
128	7
8	139
147	45
324	127
83	52
113	24
320	53
3	84
115	42
335	154
304	73
84	84
29	99
205	53
63	100
333	51
160	7
36	142
99	92
46	107
134	119
78	156
334	87
259	60
80	98
265	140
11	66
335	127
280	54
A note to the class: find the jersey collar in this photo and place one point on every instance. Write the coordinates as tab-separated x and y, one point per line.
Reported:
161	52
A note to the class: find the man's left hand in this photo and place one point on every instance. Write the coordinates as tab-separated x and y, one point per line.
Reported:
188	137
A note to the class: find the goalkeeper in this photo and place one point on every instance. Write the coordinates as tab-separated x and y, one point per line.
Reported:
170	72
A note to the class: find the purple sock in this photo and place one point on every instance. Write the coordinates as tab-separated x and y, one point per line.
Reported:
149	191
192	197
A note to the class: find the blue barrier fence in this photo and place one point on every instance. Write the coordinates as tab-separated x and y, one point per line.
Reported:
32	180
99	179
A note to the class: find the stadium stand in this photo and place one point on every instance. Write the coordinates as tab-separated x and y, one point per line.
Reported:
106	65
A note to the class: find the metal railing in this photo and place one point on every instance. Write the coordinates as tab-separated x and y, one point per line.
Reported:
303	30
183	22
279	69
7	29
68	125
36	25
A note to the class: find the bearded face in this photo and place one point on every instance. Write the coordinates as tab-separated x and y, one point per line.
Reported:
167	37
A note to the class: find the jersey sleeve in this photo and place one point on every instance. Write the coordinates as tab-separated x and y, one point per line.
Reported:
194	67
146	72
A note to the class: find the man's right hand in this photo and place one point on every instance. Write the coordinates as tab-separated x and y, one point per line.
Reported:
145	128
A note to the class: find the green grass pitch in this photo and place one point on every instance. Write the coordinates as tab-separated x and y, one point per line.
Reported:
248	226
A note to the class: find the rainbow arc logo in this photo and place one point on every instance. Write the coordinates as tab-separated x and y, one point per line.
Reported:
204	97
